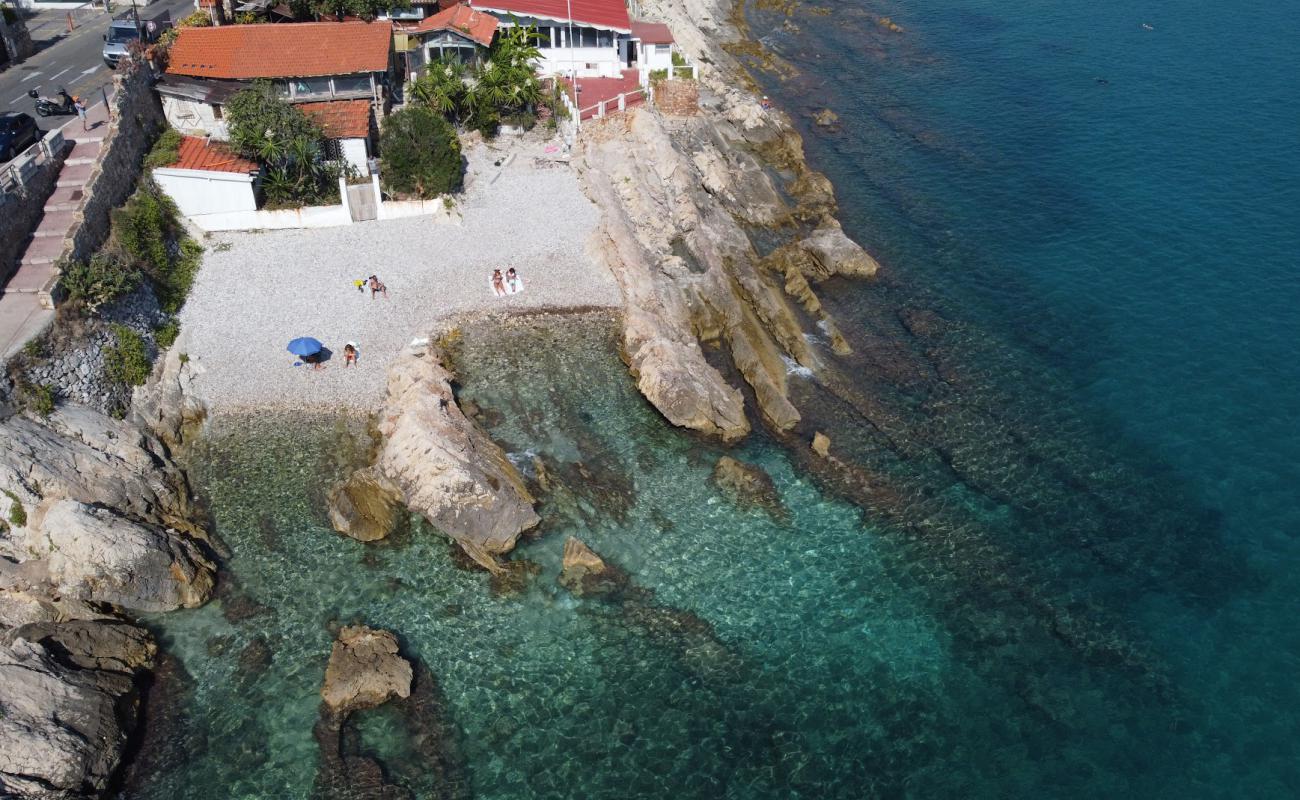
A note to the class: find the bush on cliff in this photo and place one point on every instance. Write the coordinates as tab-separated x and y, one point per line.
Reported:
166	151
421	154
95	283
127	361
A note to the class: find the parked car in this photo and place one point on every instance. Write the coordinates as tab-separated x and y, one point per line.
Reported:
17	133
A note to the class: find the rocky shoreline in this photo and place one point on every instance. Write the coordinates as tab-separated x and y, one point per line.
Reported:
99	522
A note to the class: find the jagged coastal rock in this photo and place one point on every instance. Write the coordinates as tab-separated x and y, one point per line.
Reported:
444	466
365	506
68	701
584	573
167	405
364	670
94	518
680	198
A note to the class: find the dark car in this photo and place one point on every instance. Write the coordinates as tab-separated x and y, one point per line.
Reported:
17	133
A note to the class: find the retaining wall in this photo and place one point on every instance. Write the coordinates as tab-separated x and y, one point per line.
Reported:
22	212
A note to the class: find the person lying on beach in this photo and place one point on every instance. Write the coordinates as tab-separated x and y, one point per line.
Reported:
349	354
377	287
498	283
514	284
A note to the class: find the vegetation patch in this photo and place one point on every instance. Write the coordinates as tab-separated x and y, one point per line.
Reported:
127	361
17	514
421	154
166	151
264	127
37	398
165	335
93	284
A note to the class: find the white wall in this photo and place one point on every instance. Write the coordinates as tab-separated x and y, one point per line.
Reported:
305	217
354	153
657	56
193	117
202	192
557	61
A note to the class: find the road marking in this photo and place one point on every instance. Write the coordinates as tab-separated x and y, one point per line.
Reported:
60	72
29	77
88	71
19	98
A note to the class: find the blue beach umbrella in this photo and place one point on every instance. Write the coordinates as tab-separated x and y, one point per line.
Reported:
305	346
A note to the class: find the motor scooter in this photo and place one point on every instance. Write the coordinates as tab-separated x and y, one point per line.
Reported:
59	104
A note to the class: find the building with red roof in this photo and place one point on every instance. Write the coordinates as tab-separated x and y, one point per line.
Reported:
208	178
340	68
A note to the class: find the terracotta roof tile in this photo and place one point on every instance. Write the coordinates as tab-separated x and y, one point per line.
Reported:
477	25
610	14
198	153
340	119
652	32
298	50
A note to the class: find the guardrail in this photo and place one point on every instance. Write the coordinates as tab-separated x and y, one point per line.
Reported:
620	102
19	172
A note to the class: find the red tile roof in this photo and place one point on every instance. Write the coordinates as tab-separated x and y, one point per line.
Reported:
198	153
477	25
652	33
340	119
610	14
297	50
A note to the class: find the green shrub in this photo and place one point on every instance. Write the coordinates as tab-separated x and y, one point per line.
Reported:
144	226
166	151
264	127
36	348
658	75
173	286
127	361
421	154
37	398
17	514
165	335
102	280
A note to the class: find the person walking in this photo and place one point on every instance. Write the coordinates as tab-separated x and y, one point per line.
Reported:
80	106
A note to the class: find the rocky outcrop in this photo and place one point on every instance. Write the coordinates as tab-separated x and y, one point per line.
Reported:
167	405
748	485
365	506
364	670
94	518
96	555
444	466
68	701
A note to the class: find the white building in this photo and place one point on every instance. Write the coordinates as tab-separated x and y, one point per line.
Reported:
208	178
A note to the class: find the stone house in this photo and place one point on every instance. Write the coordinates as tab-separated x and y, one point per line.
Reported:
337	72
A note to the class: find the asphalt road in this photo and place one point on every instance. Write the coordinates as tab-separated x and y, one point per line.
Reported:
72	60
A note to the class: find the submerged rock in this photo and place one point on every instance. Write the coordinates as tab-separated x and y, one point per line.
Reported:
586	574
445	467
365	506
821	444
69	699
826	118
364	670
748	485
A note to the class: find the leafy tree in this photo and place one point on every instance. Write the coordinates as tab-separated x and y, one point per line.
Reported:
340	9
265	127
442	88
504	85
421	154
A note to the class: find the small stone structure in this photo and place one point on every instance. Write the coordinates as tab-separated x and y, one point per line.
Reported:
680	98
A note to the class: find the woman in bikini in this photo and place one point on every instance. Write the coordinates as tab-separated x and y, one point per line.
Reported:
498	283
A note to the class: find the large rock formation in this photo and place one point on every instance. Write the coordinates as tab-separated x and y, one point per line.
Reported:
68	701
679	200
443	465
167	404
364	670
94	518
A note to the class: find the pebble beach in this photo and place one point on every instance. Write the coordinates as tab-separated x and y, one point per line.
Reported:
258	290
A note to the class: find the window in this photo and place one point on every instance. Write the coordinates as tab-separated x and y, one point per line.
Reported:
310	86
348	84
332	150
586	37
547	37
604	38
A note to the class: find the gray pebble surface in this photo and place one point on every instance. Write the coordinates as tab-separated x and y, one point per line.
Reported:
257	290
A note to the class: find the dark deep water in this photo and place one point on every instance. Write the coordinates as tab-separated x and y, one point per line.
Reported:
1061	563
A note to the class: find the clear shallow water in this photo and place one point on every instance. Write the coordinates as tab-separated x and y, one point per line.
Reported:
1076	572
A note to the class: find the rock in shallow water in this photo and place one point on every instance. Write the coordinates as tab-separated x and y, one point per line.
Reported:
364	670
365	506
748	485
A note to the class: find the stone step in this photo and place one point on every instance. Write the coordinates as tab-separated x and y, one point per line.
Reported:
55	223
66	199
74	175
82	153
30	278
43	250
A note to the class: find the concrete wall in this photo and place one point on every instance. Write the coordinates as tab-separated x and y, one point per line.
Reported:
589	62
193	118
305	217
199	192
657	56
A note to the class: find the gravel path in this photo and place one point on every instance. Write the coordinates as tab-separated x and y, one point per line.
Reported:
256	291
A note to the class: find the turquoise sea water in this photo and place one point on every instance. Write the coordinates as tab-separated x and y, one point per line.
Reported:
1064	566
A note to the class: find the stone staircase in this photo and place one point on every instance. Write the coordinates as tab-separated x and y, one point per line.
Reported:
26	307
